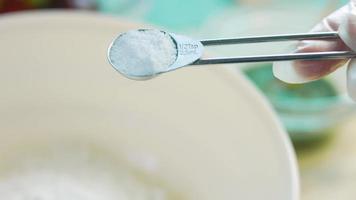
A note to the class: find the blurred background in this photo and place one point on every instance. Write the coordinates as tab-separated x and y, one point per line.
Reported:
318	116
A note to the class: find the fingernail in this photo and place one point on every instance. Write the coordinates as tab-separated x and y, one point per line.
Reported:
285	71
304	44
351	79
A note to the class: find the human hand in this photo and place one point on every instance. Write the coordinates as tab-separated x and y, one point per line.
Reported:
343	21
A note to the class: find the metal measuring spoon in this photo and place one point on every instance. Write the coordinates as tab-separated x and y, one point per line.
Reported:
187	52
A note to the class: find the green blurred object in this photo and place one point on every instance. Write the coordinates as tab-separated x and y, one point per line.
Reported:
183	14
169	14
279	91
39	3
308	111
117	6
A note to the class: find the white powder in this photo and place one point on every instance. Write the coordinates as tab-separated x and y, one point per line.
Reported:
141	53
71	177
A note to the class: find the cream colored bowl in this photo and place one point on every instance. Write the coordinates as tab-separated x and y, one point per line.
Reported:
204	133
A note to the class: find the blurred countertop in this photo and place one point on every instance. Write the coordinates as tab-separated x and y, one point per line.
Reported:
328	168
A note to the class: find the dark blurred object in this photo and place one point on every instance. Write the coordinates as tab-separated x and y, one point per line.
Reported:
83	4
18	5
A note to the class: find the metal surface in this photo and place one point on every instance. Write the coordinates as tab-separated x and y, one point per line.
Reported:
190	51
270	38
278	57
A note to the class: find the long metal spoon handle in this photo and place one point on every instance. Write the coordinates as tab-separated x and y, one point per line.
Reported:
278	57
271	38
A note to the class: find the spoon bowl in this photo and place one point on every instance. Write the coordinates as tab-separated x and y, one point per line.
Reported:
187	51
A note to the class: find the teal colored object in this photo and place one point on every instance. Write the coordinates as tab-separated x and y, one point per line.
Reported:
308	111
117	6
279	91
182	14
343	2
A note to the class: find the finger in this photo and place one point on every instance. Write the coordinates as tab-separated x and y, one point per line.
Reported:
347	32
347	29
351	79
307	70
304	71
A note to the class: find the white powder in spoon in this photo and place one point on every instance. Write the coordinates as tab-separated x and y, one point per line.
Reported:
142	53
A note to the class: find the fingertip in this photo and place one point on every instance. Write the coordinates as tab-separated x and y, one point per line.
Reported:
304	71
285	71
301	71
